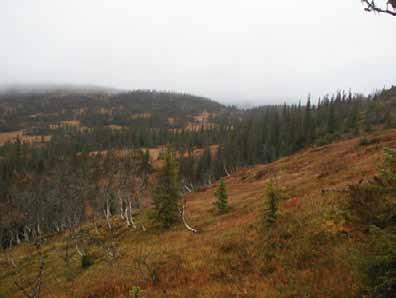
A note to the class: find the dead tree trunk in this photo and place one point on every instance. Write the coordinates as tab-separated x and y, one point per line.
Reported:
226	171
130	216
182	213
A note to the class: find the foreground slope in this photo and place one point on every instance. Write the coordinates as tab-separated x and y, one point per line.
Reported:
310	252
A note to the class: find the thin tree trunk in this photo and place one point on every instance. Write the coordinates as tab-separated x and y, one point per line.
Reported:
95	225
130	215
17	239
121	202
26	234
127	218
187	188
38	229
79	251
226	171
188	227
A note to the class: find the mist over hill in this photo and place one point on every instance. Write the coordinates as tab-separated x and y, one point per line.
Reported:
55	88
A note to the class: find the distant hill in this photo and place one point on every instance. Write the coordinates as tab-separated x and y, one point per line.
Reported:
27	107
54	88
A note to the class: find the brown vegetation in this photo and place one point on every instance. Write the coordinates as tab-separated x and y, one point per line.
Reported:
307	253
13	135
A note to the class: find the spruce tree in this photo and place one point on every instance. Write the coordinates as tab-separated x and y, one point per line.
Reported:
204	167
307	123
145	165
221	197
271	201
166	196
331	120
388	173
388	119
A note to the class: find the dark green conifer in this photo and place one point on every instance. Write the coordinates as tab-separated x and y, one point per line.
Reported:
331	120
271	201
221	197
166	196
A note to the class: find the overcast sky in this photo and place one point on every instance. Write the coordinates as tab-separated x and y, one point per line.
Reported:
246	51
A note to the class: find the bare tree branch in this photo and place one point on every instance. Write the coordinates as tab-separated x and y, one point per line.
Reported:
371	6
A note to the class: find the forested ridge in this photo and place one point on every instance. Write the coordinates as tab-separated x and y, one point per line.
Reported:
139	108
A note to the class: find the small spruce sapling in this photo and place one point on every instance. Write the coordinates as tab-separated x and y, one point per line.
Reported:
221	197
86	261
271	200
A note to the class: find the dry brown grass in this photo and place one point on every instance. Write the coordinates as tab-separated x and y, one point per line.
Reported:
171	121
306	254
13	135
74	123
141	116
201	121
9	136
115	127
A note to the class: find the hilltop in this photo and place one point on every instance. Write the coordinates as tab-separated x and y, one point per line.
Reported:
311	252
54	88
40	110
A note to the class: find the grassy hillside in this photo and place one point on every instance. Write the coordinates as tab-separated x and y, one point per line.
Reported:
311	251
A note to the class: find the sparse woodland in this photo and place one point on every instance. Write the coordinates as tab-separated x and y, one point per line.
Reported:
89	196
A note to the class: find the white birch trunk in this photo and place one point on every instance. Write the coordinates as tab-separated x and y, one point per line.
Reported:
130	215
188	227
226	171
17	239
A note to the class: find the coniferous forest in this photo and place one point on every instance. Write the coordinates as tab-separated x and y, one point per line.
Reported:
45	185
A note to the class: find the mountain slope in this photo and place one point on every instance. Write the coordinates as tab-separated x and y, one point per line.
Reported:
310	252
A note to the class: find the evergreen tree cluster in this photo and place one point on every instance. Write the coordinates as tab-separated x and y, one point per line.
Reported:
264	134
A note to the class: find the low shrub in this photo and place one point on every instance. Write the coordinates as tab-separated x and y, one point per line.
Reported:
135	292
86	261
380	266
